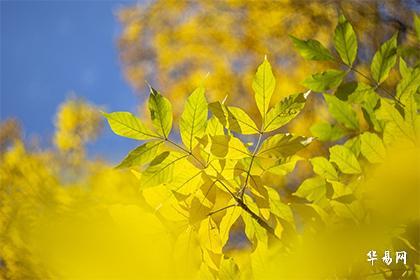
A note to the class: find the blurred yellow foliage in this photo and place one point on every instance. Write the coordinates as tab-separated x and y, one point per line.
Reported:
77	122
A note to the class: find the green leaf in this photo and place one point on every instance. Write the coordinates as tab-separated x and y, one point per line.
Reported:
342	112
284	111
263	86
324	168
345	160
160	170
326	132
283	145
239	121
372	148
193	118
345	41
127	125
384	59
313	189
160	112
311	49
141	155
323	81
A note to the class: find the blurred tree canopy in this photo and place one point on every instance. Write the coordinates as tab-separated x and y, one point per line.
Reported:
177	44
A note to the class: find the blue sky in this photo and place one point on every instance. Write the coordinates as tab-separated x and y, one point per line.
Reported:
51	48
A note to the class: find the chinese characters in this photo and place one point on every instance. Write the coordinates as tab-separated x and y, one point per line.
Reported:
400	257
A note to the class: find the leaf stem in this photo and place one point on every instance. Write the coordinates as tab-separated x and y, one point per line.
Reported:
248	173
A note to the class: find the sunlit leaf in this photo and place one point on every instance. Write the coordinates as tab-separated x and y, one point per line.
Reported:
345	41
372	148
127	125
384	59
279	208
323	81
345	159
342	111
161	169
232	214
239	121
326	132
194	118
160	112
311	49
263	86
284	111
283	145
324	168
141	155
313	189
228	146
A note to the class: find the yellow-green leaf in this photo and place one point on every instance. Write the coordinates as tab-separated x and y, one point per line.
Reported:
384	59
263	86
372	148
283	145
311	49
345	159
160	112
284	111
345	41
279	208
232	214
127	125
194	118
323	81
141	155
326	132
324	168
342	112
161	169
312	189
228	146
239	121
